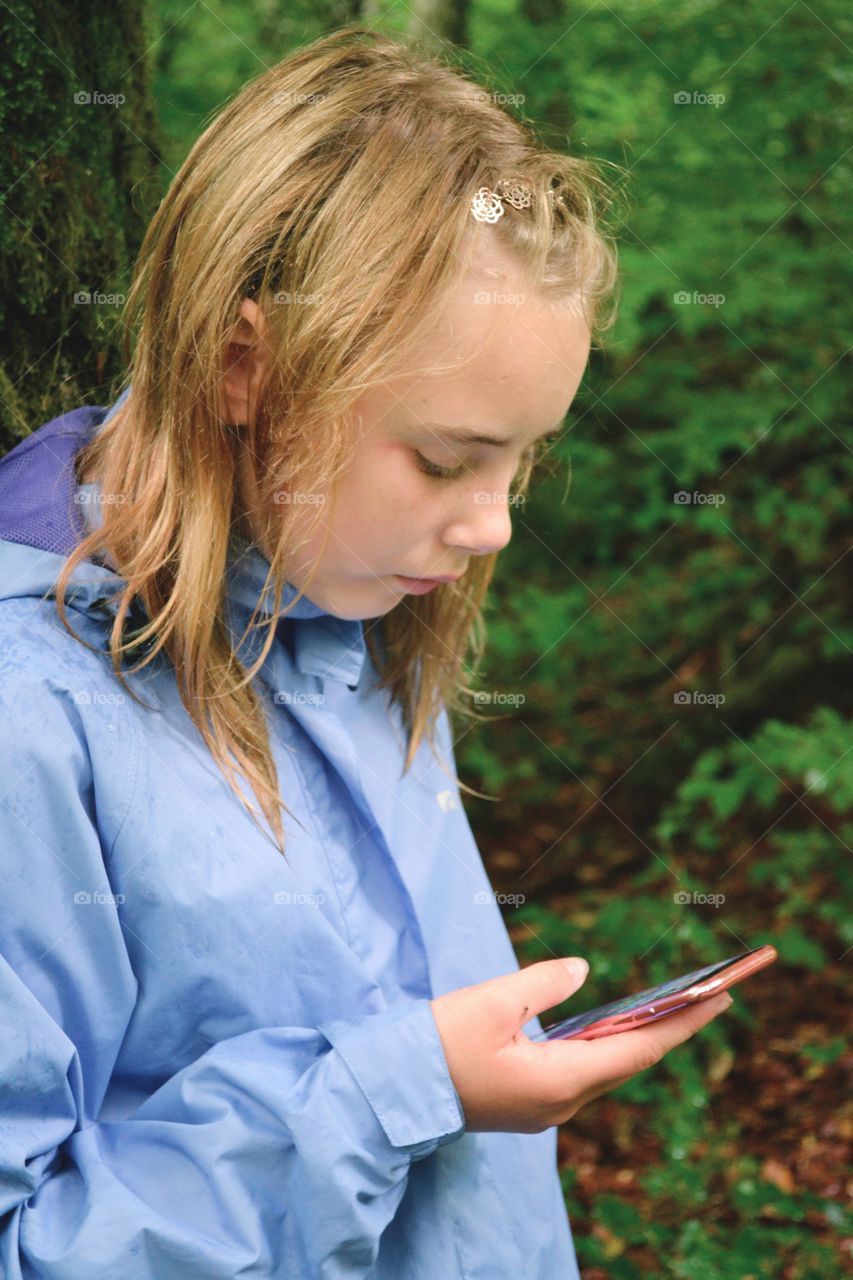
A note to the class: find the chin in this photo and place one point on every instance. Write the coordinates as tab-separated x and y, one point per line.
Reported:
364	614
353	611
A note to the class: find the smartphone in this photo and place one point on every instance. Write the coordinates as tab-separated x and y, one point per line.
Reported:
658	1002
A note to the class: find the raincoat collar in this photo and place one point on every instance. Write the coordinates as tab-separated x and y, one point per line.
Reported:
44	513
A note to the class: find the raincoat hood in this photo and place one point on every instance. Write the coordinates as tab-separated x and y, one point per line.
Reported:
45	513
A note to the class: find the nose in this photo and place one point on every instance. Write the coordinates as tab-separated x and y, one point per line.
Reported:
486	526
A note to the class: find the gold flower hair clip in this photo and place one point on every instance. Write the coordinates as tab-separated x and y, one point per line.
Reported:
488	205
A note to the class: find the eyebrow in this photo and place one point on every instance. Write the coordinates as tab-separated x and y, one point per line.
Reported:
472	435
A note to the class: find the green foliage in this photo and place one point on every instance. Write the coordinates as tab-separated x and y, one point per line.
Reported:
612	602
697	1248
785	771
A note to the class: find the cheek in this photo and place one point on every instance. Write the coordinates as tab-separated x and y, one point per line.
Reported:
381	497
385	479
412	502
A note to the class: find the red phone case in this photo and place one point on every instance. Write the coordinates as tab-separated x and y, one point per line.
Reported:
614	1020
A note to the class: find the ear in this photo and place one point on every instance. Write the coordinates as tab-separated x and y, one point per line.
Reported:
246	356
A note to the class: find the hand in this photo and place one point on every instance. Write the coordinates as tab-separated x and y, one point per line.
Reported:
510	1083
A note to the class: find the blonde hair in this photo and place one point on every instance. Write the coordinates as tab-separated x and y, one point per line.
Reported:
344	172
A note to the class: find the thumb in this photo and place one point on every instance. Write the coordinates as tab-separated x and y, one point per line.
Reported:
537	987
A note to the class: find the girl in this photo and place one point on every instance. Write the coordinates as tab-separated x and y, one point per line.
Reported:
261	1012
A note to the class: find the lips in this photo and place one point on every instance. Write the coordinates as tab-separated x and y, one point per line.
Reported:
414	578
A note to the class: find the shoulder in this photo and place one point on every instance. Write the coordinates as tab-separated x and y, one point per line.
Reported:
65	725
33	638
38	650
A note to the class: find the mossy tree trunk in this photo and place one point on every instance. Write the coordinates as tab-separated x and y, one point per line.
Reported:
80	178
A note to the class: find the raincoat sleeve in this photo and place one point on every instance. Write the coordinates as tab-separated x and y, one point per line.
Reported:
280	1151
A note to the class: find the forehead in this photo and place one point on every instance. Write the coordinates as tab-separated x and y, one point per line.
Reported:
497	358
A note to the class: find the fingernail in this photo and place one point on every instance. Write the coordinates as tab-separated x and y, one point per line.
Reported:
577	967
725	1001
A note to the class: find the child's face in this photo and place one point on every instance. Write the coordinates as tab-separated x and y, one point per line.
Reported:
389	517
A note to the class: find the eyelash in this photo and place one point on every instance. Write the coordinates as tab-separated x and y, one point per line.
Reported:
435	472
438	473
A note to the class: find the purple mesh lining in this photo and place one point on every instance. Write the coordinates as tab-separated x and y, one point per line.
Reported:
37	483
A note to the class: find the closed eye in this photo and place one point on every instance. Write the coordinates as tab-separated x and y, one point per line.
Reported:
529	456
436	472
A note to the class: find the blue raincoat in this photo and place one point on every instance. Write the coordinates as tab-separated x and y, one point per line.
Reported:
216	1061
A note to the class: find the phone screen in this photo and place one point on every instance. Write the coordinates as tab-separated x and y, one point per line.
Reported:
570	1026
